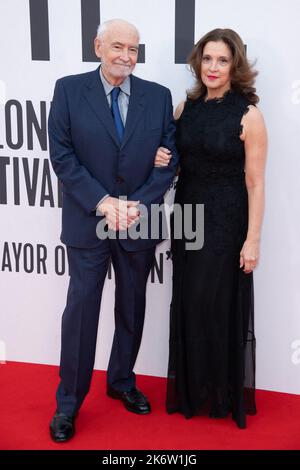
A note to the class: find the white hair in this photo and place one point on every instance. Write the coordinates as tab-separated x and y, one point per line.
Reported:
106	24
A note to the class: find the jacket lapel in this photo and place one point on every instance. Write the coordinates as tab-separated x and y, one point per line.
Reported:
135	108
96	98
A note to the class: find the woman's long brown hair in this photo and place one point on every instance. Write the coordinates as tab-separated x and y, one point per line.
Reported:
242	74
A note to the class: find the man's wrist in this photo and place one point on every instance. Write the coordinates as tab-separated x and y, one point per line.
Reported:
98	209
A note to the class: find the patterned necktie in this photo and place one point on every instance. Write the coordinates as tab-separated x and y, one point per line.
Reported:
116	112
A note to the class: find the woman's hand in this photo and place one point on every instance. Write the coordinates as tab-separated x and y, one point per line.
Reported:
249	256
162	157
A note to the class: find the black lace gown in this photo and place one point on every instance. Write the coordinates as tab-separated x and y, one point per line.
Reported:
212	343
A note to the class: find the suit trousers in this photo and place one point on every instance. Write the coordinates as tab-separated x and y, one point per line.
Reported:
88	269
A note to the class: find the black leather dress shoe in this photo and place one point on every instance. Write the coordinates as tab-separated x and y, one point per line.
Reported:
133	400
62	427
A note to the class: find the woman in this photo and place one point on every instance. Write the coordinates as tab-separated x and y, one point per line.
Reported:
222	142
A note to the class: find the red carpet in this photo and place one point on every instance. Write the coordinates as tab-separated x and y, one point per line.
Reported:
27	403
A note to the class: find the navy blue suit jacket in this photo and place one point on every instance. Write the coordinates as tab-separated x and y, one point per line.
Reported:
89	161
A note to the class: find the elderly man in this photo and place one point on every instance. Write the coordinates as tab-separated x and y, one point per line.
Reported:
104	129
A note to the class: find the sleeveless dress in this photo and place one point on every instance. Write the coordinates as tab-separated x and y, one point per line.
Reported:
212	343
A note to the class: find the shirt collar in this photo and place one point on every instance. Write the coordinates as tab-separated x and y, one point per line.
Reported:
125	85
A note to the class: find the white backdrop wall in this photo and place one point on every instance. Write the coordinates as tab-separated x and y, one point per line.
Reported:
33	294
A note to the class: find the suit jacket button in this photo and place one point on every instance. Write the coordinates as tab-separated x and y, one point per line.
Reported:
119	179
